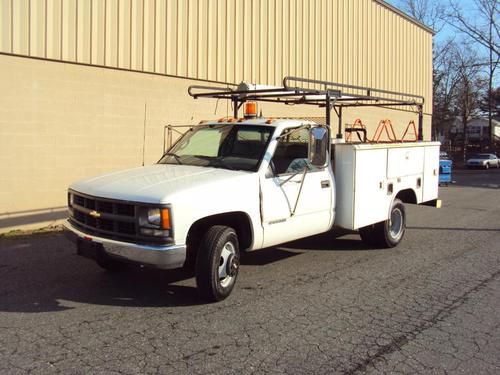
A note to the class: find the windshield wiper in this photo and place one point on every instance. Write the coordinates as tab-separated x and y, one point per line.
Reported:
176	157
216	162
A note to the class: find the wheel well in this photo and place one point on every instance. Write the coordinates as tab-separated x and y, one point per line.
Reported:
239	221
407	196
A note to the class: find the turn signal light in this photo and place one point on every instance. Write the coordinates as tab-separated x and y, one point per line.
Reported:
165	218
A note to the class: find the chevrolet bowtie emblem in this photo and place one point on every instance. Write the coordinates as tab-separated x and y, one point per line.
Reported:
94	214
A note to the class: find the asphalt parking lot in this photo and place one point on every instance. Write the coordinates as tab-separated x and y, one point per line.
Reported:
319	305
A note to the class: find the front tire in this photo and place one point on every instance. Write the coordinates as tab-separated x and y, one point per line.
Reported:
217	263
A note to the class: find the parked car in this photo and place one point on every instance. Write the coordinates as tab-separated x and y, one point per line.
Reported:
483	161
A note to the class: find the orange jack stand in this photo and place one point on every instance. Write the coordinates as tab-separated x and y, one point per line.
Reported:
389	130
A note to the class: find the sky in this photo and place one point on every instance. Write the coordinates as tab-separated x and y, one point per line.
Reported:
449	32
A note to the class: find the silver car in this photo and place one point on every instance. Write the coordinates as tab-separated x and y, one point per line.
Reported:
483	161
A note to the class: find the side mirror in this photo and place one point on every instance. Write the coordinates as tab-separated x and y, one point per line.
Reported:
319	144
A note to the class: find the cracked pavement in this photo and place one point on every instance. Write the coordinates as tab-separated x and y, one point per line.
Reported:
320	305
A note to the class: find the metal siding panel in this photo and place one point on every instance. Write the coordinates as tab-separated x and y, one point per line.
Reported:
191	38
320	39
263	39
6	26
350	43
171	64
182	38
21	27
160	33
69	26
254	46
271	40
202	67
356	53
37	28
83	33
325	41
309	42
300	39
279	43
345	42
54	29
289	37
149	36
335	41
124	34
293	37
211	40
245	16
137	35
221	41
239	42
111	33
98	33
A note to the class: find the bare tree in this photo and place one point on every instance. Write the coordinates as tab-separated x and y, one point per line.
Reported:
444	84
485	31
429	12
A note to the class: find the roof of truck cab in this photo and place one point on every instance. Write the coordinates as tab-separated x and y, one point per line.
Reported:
277	123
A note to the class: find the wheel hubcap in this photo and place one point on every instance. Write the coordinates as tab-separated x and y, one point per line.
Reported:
396	223
228	264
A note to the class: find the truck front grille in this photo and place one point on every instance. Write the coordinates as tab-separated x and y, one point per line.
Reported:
108	218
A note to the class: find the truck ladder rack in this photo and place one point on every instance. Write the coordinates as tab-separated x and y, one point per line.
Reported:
324	94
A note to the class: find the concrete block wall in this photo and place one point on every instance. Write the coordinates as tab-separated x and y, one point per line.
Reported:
60	122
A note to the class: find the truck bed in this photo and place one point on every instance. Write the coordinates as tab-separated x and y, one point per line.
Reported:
369	176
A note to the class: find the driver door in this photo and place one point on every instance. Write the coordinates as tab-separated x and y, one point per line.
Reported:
296	196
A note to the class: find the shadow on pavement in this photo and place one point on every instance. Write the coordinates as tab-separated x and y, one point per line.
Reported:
458	229
42	273
329	241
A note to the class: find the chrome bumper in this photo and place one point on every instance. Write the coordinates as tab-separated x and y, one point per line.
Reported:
165	257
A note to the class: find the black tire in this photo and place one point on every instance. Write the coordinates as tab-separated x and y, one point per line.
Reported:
487	166
212	264
387	234
392	231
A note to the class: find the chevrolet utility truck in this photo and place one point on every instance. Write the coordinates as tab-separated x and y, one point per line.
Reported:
246	183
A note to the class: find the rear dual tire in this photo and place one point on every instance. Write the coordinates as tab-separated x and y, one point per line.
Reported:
388	233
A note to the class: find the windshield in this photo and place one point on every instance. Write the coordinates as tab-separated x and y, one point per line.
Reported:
235	147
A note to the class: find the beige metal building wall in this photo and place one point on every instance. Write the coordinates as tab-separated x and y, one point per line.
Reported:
87	85
360	42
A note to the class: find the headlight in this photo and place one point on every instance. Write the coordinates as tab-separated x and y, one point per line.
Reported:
154	217
70	204
155	222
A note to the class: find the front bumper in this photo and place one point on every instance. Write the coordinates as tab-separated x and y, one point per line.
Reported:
165	257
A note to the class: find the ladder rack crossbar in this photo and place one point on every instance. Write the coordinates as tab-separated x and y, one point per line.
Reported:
329	95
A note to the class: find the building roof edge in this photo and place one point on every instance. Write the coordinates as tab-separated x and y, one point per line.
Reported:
406	16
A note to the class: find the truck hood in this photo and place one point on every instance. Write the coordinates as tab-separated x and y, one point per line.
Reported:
158	183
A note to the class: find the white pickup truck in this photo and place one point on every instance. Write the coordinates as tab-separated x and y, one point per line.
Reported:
236	185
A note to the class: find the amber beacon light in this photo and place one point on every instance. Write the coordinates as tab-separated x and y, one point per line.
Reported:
250	110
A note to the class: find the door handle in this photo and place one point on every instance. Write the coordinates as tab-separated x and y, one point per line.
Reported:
325	184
